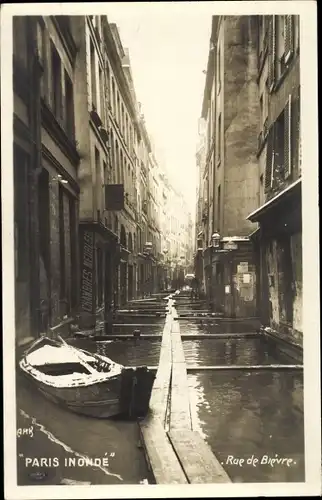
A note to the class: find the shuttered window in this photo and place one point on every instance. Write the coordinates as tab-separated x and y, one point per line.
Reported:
288	37
271	52
287	139
295	135
269	160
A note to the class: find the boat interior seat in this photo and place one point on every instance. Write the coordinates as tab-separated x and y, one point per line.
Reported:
62	369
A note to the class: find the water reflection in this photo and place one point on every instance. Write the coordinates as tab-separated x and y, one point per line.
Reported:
128	329
252	413
201	326
129	352
240	351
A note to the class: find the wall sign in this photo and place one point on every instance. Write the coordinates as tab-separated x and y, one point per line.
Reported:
230	245
87	272
242	267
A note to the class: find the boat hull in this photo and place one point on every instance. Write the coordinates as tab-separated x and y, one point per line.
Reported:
99	400
63	375
107	399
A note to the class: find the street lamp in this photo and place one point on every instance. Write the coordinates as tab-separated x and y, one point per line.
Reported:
215	240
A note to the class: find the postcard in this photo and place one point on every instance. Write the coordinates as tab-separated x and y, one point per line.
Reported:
160	249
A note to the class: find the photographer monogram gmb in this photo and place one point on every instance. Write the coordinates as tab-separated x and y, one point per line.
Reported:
153	345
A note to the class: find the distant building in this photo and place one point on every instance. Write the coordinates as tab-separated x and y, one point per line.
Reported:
278	239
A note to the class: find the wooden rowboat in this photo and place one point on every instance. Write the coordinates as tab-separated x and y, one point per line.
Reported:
87	383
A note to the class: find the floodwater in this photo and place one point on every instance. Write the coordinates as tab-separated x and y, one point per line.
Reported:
232	351
62	442
128	352
147	328
243	414
202	326
247	417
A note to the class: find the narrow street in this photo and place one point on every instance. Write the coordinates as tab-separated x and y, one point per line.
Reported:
158	251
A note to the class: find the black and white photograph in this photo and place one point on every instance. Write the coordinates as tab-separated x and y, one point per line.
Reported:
160	249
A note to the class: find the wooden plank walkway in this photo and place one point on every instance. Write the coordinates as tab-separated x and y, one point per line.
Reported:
163	461
180	455
197	459
180	417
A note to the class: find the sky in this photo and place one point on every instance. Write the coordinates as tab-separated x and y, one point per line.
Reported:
168	47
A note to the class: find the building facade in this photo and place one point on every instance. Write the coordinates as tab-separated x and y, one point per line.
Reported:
88	189
229	189
249	191
278	239
46	161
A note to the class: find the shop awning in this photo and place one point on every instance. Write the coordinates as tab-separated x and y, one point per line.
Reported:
274	202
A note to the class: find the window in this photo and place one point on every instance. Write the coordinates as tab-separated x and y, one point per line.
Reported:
62	243
117	162
44	218
41	47
99	276
113	96
21	212
107	81
102	94
69	106
126	129
279	149
118	111
93	76
285	42
218	207
288	36
219	140
105	173
121	172
19	39
98	178
218	70
56	82
296	133
271	52
73	251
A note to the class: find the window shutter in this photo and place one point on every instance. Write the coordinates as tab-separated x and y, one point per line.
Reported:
295	135
289	37
271	52
287	139
269	160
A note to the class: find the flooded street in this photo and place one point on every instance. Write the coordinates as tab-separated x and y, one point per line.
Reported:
62	435
242	413
128	352
232	351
